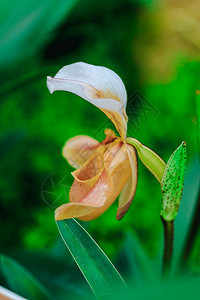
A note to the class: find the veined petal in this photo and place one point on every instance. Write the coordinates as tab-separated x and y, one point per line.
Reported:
115	113
99	86
93	192
86	177
120	171
78	149
92	205
128	193
111	153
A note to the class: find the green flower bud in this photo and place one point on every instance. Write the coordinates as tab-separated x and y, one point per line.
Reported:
172	183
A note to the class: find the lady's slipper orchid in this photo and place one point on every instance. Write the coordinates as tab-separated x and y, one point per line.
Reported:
104	170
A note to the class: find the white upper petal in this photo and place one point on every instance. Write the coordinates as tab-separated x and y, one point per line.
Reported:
98	85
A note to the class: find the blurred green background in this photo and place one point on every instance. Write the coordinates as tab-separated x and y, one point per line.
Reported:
154	47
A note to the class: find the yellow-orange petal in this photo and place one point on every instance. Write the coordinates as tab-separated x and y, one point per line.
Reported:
78	149
118	118
128	192
92	205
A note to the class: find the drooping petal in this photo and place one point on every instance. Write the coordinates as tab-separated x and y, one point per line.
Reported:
78	149
128	192
99	86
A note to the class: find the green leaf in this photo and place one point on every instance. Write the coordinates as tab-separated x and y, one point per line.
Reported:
26	27
139	264
172	183
56	270
198	118
187	219
149	158
21	281
97	269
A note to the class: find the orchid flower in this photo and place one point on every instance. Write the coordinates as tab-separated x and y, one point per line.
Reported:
107	169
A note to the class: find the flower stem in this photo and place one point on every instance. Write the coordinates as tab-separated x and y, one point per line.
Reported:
168	227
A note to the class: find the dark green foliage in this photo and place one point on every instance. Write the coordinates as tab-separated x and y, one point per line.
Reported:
21	281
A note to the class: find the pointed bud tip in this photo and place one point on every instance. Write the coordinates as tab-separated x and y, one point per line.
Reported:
119	217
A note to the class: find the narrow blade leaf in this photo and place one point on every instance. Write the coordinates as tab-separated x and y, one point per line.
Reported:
21	281
95	266
140	266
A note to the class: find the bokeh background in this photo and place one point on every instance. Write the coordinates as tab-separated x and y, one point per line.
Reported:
154	47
